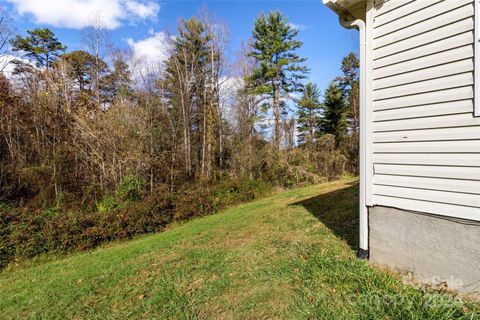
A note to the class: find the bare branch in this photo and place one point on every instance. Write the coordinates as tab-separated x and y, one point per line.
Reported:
7	32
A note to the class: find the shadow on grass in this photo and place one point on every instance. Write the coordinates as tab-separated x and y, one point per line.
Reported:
338	210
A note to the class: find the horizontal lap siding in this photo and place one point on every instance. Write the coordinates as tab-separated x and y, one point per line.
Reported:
426	142
434	134
430	37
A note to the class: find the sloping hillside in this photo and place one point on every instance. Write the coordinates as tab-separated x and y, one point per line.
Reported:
288	256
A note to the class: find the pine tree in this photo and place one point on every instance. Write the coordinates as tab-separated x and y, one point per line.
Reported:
189	86
41	45
280	71
334	120
309	108
83	66
118	82
350	85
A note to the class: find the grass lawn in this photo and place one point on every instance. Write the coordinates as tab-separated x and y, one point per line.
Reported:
291	256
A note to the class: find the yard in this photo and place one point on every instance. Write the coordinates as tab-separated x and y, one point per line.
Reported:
291	255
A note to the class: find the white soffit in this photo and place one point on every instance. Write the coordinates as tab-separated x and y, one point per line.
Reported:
347	8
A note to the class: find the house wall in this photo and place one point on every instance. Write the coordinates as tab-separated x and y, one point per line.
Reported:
425	139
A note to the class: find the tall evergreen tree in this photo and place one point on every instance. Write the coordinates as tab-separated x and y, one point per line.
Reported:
350	85
280	71
309	109
83	66
334	120
117	82
40	45
186	85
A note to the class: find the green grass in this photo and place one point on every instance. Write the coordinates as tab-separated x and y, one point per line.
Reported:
289	256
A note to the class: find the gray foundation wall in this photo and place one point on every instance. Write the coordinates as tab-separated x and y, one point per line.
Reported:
434	249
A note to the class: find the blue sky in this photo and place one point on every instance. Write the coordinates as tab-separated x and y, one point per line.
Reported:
136	22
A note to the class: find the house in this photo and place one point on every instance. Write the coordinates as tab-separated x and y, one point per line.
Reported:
420	135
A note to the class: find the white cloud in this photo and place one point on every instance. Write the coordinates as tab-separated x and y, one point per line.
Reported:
142	10
299	27
5	64
152	50
148	56
76	14
7	67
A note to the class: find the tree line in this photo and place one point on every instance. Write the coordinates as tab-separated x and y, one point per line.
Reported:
78	125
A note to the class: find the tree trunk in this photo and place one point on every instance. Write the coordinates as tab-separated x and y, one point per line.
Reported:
276	117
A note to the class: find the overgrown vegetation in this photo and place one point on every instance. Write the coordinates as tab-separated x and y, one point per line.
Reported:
96	145
26	233
288	256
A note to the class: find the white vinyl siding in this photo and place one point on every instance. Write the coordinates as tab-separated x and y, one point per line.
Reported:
426	139
477	57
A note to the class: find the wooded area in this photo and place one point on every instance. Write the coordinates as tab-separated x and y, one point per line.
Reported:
91	130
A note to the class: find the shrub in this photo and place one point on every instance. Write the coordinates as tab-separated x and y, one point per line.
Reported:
330	161
107	203
25	233
60	200
192	203
204	200
7	218
131	188
291	169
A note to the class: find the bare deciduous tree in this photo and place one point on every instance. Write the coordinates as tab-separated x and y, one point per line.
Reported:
7	31
96	39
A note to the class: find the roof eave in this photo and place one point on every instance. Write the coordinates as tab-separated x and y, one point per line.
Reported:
347	10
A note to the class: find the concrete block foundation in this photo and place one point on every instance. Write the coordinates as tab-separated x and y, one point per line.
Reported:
435	249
